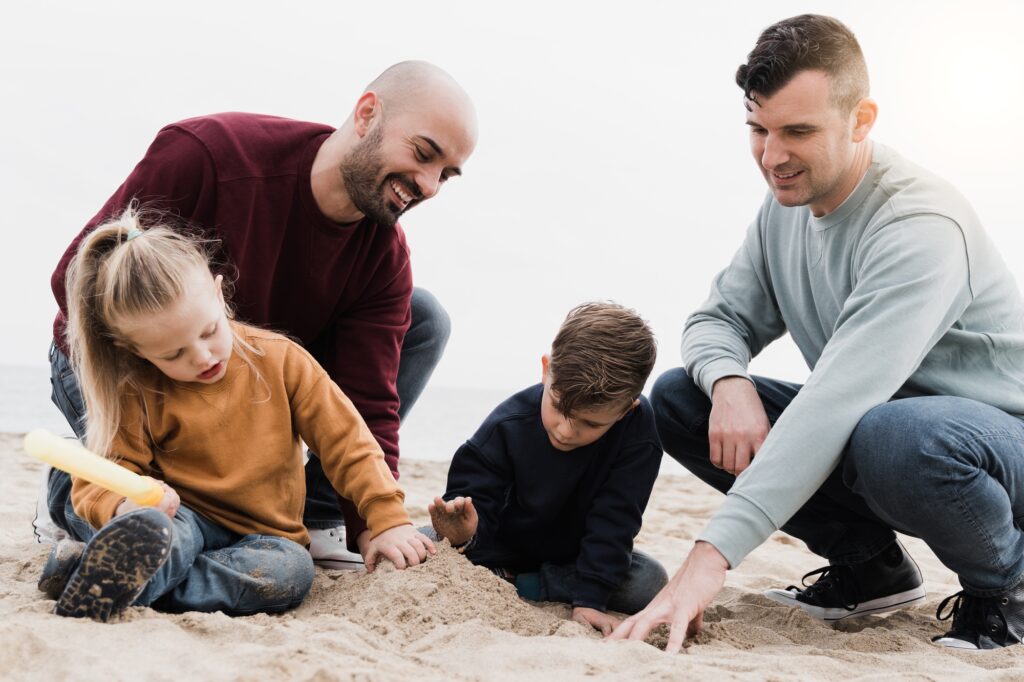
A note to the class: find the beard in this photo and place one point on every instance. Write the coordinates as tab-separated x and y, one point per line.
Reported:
361	171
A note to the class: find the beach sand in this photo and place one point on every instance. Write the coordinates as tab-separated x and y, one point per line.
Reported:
450	620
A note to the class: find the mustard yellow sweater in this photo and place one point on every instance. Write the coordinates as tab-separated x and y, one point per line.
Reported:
232	449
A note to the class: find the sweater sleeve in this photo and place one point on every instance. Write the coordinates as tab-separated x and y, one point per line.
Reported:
352	460
364	359
614	520
739	318
175	176
486	478
912	284
132	449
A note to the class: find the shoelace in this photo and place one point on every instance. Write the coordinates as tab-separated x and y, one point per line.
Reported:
971	614
829	579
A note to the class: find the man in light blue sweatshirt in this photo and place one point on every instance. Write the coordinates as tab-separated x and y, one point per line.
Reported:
913	328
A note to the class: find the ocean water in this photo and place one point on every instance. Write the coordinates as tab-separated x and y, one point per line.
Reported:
442	419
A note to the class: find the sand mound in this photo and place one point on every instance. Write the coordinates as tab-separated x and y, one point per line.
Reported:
403	606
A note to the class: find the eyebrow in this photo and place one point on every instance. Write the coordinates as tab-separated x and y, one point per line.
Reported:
455	170
794	127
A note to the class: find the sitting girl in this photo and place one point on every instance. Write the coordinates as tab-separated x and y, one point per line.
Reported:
215	411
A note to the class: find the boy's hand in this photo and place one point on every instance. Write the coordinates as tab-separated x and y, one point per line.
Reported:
402	545
595	619
168	504
455	520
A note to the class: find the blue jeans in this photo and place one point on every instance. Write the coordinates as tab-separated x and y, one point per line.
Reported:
422	348
947	470
212	569
557	582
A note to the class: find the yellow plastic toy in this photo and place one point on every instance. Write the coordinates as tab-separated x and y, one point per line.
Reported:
70	456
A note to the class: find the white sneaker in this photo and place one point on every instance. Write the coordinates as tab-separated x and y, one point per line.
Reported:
327	547
43	527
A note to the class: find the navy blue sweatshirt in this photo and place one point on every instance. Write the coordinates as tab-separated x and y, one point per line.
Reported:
539	505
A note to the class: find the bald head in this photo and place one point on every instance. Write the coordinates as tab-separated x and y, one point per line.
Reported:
417	85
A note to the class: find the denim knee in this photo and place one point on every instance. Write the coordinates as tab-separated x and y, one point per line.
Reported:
431	325
645	579
678	402
285	585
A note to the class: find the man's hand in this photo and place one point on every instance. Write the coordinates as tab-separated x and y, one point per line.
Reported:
682	602
738	424
403	546
595	619
168	504
455	520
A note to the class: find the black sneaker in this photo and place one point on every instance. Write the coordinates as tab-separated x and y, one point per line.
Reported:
983	622
62	562
116	565
886	582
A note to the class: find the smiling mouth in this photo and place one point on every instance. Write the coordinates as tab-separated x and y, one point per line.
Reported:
403	196
785	177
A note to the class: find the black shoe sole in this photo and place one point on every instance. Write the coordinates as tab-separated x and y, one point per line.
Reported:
884	604
116	564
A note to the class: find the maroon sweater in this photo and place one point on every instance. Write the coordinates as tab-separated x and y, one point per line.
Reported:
342	290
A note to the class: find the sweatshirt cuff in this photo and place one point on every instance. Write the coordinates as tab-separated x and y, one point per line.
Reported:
386	512
737	529
719	369
100	509
591	594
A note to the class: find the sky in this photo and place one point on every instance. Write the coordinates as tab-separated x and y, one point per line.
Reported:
613	161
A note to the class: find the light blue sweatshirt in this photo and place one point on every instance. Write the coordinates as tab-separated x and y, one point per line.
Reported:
896	293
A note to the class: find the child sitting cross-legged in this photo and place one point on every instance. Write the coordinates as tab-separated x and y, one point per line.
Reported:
550	491
214	410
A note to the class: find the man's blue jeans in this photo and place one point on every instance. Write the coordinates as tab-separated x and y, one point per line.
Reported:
422	348
212	569
947	470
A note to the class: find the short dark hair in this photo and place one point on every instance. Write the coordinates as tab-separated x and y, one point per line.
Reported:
804	43
602	356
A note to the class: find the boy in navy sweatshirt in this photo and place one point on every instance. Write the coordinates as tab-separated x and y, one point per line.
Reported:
550	491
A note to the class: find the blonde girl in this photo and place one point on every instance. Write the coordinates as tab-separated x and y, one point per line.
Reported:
216	411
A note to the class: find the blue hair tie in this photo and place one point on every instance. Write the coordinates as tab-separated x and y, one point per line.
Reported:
132	234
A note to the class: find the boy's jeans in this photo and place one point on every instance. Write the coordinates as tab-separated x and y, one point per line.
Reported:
421	351
212	569
947	470
556	582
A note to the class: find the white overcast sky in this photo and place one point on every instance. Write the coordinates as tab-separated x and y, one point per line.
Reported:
612	163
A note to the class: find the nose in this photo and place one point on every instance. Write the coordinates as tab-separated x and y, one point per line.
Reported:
429	184
202	356
565	429
774	153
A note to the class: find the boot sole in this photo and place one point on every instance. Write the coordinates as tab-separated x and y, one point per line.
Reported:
117	563
892	602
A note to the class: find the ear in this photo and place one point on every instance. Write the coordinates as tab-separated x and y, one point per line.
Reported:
632	406
366	112
864	116
218	282
545	367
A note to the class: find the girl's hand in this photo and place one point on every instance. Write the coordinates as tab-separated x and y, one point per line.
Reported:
402	545
168	504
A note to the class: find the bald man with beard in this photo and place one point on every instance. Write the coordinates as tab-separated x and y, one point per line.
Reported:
305	220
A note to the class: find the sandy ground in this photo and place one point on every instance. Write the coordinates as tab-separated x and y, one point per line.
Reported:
450	620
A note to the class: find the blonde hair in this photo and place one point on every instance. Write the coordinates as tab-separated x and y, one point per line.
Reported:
123	269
